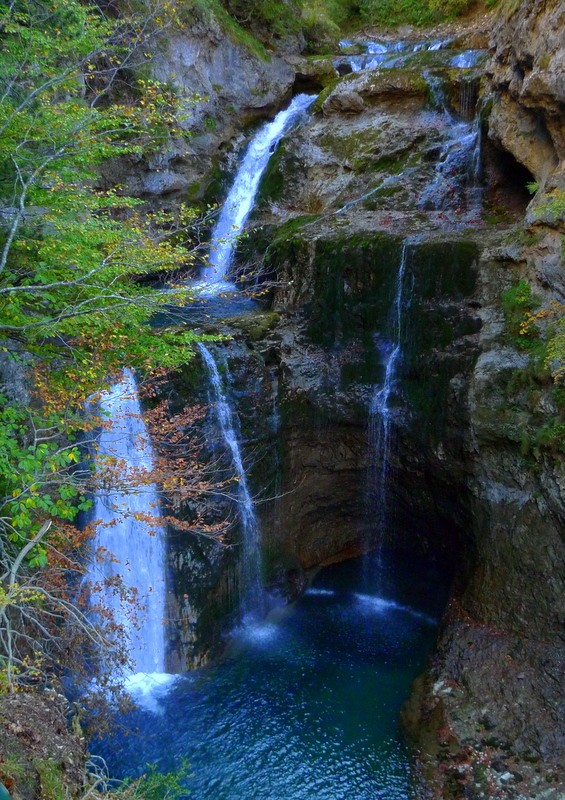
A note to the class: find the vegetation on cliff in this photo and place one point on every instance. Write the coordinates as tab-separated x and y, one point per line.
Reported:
73	307
322	21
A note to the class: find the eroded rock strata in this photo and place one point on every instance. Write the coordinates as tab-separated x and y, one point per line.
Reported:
472	479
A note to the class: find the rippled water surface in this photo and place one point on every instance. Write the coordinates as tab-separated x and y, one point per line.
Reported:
305	705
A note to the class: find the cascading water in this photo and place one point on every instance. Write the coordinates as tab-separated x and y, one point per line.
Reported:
129	537
381	413
455	185
259	726
385	55
241	197
251	592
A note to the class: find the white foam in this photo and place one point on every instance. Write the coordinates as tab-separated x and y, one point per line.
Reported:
259	633
148	688
211	288
381	605
374	48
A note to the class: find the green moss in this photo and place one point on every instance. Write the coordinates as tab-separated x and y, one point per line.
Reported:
324	94
51	779
214	185
319	29
558	395
530	377
12	769
275	177
494	215
342	13
551	437
354	281
374	201
267	19
444	269
236	32
552	207
441	275
292	227
355	148
391	82
255	327
392	13
544	61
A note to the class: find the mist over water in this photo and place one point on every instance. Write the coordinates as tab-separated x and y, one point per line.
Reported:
304	705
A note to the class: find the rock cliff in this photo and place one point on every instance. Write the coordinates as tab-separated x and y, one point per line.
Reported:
385	172
224	80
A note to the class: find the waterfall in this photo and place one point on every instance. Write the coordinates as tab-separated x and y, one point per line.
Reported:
381	413
241	197
455	185
132	546
251	591
385	55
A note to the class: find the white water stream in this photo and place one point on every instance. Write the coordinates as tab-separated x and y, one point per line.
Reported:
456	183
128	572
381	412
241	198
251	592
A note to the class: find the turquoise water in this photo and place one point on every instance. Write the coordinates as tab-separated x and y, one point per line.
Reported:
303	706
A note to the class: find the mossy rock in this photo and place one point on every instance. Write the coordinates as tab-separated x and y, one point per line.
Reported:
351	285
395	81
316	72
352	280
380	82
324	94
52	786
211	188
357	147
279	176
255	327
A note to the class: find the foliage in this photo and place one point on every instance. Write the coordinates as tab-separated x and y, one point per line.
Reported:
37	476
73	255
516	302
344	13
152	785
75	304
549	322
551	437
391	13
50	778
155	785
541	331
552	207
234	29
266	19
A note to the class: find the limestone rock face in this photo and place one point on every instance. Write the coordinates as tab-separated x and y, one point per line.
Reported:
402	88
353	192
230	81
222	86
526	74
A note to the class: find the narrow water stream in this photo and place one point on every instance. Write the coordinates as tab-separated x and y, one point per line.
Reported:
305	705
251	590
